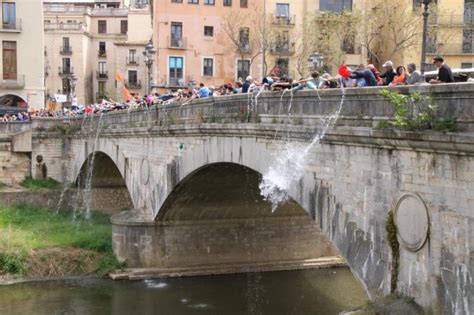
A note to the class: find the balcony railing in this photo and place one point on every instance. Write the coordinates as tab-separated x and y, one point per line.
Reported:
133	85
289	20
102	75
102	53
132	61
63	26
17	83
12	26
66	71
244	47
177	42
283	48
451	48
451	20
65	50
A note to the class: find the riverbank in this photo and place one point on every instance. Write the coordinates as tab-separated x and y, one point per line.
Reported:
38	243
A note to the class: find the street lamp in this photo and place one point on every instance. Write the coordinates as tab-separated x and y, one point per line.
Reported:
315	61
149	54
426	13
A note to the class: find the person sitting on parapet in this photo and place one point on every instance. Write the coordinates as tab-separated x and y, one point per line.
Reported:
445	75
400	78
203	91
364	77
414	76
389	73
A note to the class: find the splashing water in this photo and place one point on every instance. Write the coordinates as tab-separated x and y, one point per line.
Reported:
61	197
289	166
90	169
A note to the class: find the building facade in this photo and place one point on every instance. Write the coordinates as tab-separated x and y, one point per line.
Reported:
193	42
22	60
93	48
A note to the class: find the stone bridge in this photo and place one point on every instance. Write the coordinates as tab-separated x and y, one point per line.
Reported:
348	183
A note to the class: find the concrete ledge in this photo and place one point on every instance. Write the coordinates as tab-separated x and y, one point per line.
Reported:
219	269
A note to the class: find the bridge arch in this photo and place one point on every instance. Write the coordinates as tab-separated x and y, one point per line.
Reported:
102	184
12	100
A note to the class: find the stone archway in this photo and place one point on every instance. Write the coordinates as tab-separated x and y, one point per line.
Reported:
12	100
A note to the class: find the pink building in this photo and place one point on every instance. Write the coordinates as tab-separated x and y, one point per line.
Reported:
192	46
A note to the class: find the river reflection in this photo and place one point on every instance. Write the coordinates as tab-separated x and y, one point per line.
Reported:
325	291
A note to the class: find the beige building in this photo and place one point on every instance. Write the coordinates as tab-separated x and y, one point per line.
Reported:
89	44
21	61
452	33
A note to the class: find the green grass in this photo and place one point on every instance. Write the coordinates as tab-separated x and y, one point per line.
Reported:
25	228
35	184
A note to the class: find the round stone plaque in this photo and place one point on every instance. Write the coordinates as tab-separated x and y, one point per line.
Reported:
411	218
145	171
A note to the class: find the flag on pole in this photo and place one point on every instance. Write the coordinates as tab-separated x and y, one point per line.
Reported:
118	77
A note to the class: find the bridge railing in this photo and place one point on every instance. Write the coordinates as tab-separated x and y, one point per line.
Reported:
361	107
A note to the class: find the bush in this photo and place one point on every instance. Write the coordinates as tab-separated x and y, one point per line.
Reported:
35	184
11	263
109	263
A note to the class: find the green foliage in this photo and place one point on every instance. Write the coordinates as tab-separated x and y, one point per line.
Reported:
212	118
35	184
416	112
274	120
391	229
11	263
109	263
3	185
65	129
382	124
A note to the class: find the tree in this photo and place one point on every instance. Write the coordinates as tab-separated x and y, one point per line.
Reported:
249	32
392	27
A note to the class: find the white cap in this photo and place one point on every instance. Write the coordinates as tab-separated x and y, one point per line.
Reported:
249	78
388	64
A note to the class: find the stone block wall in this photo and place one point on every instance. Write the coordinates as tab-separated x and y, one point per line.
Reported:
14	167
214	242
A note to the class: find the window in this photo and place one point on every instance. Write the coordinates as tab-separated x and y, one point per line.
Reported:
132	77
335	5
9	60
208	67
244	38
193	1
101	88
467	65
102	49
243	69
176	34
209	31
227	3
283	10
67	66
66	46
102	67
66	86
102	26
209	2
348	44
176	71
123	27
283	66
176	1
8	15
132	56
244	3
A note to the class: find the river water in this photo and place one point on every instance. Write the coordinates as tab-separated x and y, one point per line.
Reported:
323	291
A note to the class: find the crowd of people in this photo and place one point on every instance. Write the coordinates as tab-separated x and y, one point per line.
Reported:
362	76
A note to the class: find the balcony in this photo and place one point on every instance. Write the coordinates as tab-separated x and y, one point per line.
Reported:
65	71
177	42
466	48
102	75
63	26
283	48
132	61
285	20
133	85
12	27
65	50
452	20
17	83
244	47
102	53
